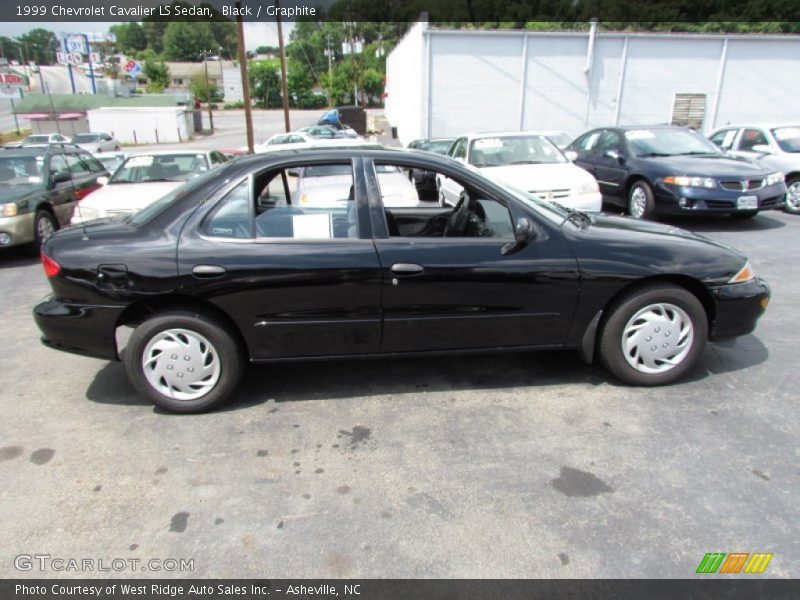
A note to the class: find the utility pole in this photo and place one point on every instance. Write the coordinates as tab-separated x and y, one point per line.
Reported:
283	69
248	115
208	93
91	66
329	52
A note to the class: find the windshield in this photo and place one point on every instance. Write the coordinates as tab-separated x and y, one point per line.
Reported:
562	140
437	146
83	138
514	150
788	138
668	142
156	208
21	170
160	167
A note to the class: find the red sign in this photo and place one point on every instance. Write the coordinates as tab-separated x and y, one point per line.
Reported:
130	65
11	79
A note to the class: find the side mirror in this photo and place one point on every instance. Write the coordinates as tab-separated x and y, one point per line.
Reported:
523	233
571	155
102	180
762	149
60	177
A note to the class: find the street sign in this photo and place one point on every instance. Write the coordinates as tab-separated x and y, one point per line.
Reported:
10	93
132	68
12	79
76	44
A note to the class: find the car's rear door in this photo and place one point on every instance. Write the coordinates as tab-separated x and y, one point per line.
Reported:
610	165
454	293
298	281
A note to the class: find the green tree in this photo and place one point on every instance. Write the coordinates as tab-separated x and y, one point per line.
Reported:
203	89
130	37
154	32
265	83
185	41
157	74
38	45
9	48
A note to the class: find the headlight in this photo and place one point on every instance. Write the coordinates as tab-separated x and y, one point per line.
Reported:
697	182
590	187
10	210
745	274
774	178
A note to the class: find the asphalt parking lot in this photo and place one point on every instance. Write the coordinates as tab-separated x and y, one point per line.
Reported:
519	465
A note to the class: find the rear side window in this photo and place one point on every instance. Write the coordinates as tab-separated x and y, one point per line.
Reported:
751	138
231	218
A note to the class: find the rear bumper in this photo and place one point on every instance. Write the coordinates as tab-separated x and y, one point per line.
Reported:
78	329
738	308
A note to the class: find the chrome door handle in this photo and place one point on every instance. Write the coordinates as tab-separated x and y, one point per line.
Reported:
208	271
406	269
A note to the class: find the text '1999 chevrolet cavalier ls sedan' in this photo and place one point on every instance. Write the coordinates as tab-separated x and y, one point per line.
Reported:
228	269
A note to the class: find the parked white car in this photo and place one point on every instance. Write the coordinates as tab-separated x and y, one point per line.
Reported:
39	138
528	161
142	179
329	185
284	141
96	142
775	145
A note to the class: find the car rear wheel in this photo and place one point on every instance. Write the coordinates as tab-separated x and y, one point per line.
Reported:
793	196
653	335
183	361
641	203
44	225
747	214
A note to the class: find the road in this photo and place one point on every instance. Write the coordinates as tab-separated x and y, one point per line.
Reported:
517	465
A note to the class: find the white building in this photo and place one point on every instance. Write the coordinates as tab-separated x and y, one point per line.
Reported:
446	82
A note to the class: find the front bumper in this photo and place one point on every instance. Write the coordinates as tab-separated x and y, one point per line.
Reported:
19	228
82	329
591	202
679	200
738	307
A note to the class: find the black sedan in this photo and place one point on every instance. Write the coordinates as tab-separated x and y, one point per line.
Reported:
671	170
260	260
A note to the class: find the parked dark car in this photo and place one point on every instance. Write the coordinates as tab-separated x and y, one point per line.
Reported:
241	265
425	181
39	187
669	170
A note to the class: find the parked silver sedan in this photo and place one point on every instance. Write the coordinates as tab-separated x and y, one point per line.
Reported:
96	142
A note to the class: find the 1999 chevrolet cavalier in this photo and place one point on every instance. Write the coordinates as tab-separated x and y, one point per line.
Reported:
240	265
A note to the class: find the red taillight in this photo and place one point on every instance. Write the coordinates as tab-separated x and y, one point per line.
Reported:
51	267
81	193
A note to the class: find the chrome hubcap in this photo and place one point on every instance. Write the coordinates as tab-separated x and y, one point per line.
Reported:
793	195
637	203
657	338
181	364
44	227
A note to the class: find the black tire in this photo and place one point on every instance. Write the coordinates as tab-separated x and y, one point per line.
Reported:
744	215
789	207
649	200
228	353
36	245
610	337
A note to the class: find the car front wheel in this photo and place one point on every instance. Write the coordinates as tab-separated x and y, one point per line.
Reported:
653	335
183	361
641	204
793	196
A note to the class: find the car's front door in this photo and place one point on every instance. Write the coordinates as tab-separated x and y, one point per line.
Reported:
609	165
299	281
461	291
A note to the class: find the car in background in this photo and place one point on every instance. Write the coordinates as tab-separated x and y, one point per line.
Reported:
111	160
322	132
560	138
331	185
425	181
39	187
39	138
671	170
283	141
527	161
143	178
773	145
209	281
96	142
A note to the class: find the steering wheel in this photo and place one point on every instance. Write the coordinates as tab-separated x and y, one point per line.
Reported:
457	224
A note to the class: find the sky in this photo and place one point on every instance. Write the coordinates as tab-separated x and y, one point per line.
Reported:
255	34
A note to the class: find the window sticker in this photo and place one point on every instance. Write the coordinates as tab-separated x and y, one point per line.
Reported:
640	134
488	143
310	227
